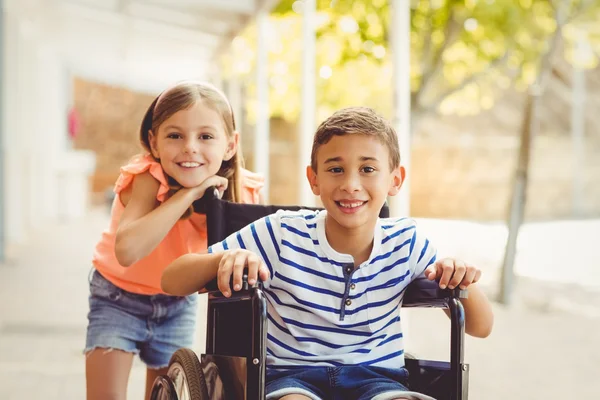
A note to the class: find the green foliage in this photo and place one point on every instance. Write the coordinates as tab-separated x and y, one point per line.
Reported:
464	53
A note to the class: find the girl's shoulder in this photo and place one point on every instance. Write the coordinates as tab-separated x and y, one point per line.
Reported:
252	180
251	184
140	164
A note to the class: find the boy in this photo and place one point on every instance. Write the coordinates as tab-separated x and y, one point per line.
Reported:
335	279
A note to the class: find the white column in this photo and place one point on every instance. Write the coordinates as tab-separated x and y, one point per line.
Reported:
12	191
19	159
216	78
43	111
261	138
582	53
3	99
308	103
234	95
51	139
400	40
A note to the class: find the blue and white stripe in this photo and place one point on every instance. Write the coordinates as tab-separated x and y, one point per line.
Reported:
319	315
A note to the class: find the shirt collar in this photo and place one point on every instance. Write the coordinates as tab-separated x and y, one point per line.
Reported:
331	253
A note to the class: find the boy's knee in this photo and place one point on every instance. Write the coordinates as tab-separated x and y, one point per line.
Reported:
294	397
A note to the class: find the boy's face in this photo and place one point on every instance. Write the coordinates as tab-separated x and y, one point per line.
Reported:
353	179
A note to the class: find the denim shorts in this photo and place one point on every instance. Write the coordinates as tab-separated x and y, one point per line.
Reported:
341	383
152	326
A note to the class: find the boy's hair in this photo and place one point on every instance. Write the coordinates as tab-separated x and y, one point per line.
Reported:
183	96
361	121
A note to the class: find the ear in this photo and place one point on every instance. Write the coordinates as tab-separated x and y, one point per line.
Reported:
311	175
397	176
153	147
232	146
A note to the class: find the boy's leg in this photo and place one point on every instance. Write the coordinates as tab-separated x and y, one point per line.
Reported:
297	384
374	383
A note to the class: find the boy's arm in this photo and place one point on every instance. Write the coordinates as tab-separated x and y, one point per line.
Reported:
479	317
452	273
190	273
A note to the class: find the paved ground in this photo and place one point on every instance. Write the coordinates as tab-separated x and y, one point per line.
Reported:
544	347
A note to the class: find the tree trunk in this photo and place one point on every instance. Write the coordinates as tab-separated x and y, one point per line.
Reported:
519	197
529	126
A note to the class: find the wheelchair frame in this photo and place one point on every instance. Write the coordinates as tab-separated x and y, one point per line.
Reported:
248	308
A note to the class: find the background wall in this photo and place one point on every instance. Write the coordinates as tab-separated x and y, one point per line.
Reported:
462	167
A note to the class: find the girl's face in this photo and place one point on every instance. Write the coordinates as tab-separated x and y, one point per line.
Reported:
192	144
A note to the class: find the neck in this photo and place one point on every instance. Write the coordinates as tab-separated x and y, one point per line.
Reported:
357	242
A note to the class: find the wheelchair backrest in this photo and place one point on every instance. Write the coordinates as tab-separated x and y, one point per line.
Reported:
224	218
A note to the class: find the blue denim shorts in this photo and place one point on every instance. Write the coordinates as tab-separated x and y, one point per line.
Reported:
337	383
152	326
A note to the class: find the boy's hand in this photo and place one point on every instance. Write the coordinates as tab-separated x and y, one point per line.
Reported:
233	263
452	273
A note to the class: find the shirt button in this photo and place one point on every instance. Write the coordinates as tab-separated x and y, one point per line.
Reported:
353	286
348	270
348	302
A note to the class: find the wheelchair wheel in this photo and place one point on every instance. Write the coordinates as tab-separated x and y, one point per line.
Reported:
163	389
184	380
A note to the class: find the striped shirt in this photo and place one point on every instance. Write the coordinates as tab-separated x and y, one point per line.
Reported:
321	310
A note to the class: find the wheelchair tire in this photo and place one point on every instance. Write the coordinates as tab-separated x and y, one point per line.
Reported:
186	379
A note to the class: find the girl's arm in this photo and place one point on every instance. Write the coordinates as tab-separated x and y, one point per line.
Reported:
145	222
190	273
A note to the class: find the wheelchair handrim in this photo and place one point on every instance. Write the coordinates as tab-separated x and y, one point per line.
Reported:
163	389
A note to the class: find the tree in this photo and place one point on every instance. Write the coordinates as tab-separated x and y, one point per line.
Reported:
566	13
464	53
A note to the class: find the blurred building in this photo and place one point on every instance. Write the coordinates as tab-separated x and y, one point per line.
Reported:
139	45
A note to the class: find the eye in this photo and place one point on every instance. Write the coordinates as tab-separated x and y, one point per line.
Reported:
368	170
205	136
335	170
174	136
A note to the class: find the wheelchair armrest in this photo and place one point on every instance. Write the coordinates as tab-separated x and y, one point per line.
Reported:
214	292
426	293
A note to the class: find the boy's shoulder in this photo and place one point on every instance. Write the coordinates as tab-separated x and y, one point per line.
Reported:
397	228
300	215
389	223
301	222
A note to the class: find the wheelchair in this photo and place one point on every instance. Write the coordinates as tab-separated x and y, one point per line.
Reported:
233	367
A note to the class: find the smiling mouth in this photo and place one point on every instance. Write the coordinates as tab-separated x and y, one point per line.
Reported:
350	205
189	164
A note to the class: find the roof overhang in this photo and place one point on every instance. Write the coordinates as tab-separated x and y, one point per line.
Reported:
144	44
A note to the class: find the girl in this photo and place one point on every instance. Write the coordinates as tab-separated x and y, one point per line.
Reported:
191	143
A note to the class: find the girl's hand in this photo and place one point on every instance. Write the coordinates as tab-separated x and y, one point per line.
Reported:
452	273
217	181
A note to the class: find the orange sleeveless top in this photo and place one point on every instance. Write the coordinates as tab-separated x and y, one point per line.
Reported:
186	236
